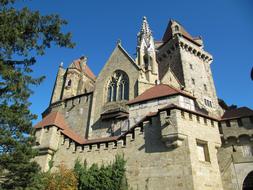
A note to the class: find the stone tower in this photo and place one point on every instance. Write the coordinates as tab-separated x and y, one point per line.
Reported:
146	54
75	80
183	56
160	111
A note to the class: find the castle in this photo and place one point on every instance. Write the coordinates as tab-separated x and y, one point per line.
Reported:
160	110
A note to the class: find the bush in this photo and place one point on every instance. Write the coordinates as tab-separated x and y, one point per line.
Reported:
102	178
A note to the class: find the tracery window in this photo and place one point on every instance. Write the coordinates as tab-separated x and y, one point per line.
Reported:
118	87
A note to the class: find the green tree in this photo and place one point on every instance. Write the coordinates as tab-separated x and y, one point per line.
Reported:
103	178
24	34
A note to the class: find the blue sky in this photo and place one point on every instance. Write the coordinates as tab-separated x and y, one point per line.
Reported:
225	25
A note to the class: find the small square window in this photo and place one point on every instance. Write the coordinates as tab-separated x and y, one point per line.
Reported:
203	153
208	103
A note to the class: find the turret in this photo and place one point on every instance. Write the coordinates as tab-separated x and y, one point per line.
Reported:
146	54
57	91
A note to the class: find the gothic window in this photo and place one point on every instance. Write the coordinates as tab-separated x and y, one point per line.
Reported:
109	95
118	87
146	59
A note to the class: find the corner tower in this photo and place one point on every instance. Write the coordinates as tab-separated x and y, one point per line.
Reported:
146	54
184	56
75	80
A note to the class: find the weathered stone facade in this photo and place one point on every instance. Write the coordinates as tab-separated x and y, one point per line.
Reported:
160	110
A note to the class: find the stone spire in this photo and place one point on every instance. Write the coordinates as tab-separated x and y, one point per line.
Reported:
145	32
146	54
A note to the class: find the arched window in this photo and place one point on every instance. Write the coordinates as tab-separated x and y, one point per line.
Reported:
69	83
118	87
176	28
146	59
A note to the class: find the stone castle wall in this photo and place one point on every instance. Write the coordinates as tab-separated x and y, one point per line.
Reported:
76	111
235	156
150	163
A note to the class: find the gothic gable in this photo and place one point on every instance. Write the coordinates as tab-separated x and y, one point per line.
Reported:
115	85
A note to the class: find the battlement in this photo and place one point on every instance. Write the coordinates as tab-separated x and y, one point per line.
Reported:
236	128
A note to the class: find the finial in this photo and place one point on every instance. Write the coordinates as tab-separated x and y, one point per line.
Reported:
61	64
83	59
144	18
119	42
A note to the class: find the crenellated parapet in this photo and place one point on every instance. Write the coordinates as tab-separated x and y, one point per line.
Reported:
236	123
195	50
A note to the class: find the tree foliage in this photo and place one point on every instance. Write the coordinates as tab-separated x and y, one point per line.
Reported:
24	34
102	178
63	179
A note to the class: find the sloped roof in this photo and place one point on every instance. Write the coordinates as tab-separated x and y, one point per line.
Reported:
76	64
157	91
57	119
237	113
54	118
169	33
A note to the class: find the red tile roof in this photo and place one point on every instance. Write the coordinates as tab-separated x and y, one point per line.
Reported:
57	119
237	113
169	33
86	70
157	91
54	118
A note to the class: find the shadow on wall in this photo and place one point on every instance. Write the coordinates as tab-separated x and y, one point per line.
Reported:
153	138
248	182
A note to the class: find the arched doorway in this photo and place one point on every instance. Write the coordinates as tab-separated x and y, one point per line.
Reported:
248	182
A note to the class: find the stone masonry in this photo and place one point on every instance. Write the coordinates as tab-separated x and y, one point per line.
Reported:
160	110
